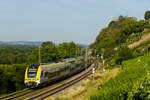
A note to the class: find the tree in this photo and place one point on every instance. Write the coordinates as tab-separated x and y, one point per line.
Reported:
33	58
12	78
147	15
48	52
68	50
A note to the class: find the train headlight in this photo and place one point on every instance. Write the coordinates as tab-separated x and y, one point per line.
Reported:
38	82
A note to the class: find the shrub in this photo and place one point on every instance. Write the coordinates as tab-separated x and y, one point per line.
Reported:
140	90
124	53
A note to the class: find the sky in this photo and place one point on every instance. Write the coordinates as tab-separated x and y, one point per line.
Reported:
63	20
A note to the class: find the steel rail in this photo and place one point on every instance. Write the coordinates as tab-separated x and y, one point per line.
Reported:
11	96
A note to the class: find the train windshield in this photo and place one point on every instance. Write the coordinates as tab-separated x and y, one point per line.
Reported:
32	71
31	74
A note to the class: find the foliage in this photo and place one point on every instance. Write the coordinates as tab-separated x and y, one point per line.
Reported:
131	25
119	88
134	52
68	50
147	15
135	37
34	57
147	24
123	53
50	52
12	77
140	90
16	54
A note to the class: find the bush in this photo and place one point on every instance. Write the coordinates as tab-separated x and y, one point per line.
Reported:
141	90
124	53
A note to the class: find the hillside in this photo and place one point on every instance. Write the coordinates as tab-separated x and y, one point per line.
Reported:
117	36
124	42
131	83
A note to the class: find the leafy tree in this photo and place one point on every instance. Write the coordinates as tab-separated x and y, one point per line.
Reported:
12	78
68	50
131	25
34	57
62	50
48	52
147	15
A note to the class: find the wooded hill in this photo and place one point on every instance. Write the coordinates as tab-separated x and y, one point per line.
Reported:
112	41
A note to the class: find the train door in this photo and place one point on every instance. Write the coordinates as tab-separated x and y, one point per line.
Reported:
44	76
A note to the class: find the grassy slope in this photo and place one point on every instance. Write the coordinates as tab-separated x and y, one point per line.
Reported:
83	91
132	71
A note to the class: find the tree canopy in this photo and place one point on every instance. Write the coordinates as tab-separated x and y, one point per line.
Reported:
147	15
50	52
16	54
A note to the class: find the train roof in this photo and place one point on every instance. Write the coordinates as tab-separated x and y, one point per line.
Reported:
68	59
47	63
53	64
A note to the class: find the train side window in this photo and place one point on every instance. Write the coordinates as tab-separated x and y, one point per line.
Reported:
42	74
46	74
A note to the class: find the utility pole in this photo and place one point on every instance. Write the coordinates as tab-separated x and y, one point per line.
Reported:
86	55
39	54
102	57
76	51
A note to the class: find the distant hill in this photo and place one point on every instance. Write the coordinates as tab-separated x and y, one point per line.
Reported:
21	43
30	43
83	45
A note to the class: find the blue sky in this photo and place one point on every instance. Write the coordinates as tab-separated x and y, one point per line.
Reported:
62	20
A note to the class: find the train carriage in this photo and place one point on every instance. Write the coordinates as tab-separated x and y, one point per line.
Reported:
40	74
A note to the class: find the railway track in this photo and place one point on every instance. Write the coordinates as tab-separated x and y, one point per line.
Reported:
67	83
15	95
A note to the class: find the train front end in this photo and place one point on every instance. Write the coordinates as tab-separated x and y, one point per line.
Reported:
32	76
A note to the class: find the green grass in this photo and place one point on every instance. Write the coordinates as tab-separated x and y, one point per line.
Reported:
117	88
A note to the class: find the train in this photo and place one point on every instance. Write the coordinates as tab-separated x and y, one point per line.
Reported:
37	75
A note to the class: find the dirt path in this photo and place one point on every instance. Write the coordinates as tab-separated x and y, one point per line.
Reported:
143	39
